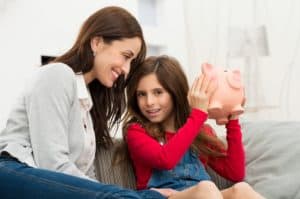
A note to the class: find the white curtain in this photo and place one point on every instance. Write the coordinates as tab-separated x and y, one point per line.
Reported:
273	91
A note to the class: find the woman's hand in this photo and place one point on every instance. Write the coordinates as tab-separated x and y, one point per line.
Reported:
201	91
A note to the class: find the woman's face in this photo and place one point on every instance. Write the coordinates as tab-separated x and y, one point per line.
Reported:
154	101
113	59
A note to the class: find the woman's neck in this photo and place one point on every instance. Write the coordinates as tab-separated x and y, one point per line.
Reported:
88	77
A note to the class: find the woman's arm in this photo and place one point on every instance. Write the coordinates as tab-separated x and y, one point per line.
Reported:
145	149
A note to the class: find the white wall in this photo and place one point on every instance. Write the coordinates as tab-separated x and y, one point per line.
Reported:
31	28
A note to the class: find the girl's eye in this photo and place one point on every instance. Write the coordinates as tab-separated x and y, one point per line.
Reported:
158	92
140	94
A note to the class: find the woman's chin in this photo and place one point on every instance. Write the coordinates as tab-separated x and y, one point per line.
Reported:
108	84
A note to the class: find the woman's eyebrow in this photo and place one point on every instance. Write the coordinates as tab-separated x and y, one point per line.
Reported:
129	52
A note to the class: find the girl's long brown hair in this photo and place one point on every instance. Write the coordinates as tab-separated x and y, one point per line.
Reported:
172	78
110	23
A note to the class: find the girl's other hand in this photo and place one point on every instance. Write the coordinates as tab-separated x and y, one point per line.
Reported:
235	117
201	91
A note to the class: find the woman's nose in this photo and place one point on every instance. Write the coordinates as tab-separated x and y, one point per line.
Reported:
126	68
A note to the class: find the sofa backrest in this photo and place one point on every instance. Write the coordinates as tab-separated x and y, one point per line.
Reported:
123	174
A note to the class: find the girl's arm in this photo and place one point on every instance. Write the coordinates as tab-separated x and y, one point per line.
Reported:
147	150
232	166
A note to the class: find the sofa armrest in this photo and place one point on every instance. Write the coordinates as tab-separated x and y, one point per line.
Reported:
123	174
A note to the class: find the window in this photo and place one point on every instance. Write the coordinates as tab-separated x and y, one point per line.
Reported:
147	12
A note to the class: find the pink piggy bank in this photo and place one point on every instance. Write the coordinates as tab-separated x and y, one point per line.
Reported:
228	96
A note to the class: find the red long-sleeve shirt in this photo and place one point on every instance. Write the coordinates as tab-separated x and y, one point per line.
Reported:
147	153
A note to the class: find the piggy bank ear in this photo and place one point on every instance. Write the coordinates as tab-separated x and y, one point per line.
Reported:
234	79
208	70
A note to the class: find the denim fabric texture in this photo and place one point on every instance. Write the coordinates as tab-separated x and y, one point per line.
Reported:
17	180
188	172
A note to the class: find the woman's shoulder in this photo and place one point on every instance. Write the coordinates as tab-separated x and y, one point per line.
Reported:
54	77
57	70
53	74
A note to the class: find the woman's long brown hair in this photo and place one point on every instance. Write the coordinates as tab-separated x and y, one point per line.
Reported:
110	23
172	78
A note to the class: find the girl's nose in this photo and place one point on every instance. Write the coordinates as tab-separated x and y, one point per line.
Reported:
150	100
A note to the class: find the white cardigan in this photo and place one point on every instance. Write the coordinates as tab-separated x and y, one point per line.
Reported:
45	126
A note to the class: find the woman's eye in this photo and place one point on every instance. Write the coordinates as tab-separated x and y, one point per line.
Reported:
126	57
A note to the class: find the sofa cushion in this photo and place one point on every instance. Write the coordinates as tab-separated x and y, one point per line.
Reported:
272	158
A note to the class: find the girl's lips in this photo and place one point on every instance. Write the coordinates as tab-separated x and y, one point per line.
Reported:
153	113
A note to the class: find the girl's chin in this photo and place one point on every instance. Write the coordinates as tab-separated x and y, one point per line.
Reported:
154	120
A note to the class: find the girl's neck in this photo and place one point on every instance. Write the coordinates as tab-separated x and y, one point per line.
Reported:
169	127
169	123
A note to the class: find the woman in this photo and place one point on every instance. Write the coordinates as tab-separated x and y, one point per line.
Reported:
49	143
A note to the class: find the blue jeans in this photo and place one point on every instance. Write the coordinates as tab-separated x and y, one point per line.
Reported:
17	180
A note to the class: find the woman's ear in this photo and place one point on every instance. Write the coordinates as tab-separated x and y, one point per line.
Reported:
96	42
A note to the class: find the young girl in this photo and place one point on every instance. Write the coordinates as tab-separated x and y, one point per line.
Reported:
48	146
169	143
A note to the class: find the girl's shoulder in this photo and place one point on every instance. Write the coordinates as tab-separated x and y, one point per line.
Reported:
135	126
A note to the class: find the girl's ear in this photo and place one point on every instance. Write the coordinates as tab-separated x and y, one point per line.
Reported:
96	42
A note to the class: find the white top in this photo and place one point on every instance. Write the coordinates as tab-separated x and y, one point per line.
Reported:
87	155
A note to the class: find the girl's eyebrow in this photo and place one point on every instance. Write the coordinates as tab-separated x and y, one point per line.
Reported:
153	89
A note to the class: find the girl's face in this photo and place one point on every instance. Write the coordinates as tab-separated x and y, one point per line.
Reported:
155	102
113	59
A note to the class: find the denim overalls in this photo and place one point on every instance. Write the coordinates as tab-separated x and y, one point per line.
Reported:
188	172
